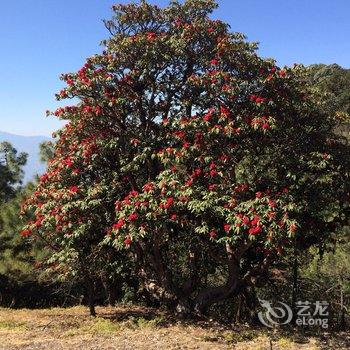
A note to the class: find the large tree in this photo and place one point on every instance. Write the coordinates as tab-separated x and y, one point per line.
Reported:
188	158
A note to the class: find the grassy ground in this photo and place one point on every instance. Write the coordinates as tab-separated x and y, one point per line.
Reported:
140	328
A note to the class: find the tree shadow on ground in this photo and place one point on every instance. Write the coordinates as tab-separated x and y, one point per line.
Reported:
138	316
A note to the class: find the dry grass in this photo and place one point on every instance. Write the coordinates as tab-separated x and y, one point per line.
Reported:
139	328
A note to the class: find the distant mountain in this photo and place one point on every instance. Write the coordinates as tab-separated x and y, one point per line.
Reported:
30	145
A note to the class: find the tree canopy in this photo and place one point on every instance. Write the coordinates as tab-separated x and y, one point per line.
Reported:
189	159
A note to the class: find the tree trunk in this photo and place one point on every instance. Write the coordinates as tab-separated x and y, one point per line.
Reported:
110	291
160	286
90	295
342	307
238	311
112	295
212	295
252	303
295	281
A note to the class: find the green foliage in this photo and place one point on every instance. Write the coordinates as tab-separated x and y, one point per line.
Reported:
11	172
14	256
46	151
328	277
17	256
332	82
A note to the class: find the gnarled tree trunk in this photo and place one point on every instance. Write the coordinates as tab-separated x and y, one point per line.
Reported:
212	295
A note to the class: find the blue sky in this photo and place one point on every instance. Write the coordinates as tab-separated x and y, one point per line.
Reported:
42	38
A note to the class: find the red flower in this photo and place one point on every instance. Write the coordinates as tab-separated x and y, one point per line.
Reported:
169	202
255	220
246	220
39	221
213	234
98	110
214	62
208	116
242	188
225	111
257	99
252	97
68	161
258	194
189	183
151	36
265	126
169	150
25	233
63	93
260	100
148	187
133	193
133	217
211	187
127	241
73	189
226	88
183	199
173	217
282	73
44	177
135	142
272	204
255	230
197	172
87	109
179	134
118	224
224	158
213	173
227	227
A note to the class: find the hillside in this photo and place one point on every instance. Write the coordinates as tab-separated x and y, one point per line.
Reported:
30	145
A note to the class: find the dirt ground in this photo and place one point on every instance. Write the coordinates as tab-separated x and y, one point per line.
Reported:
137	328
